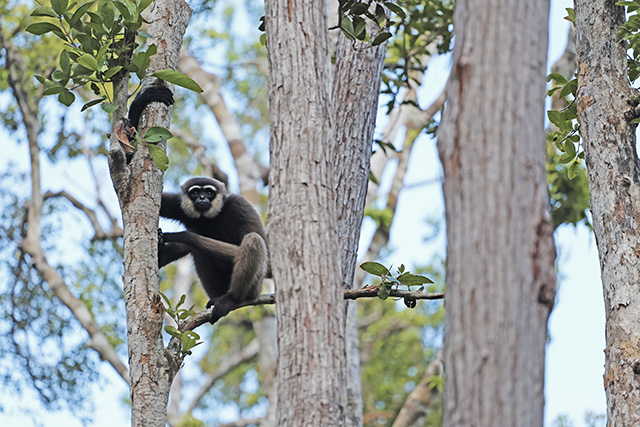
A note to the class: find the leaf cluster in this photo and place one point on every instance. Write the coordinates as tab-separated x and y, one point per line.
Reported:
567	136
99	39
188	339
426	26
353	16
630	31
388	280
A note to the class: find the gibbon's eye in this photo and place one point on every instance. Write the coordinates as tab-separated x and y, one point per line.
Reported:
210	193
194	191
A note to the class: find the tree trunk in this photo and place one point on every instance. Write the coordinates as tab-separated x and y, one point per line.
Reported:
138	184
356	90
302	225
605	104
500	251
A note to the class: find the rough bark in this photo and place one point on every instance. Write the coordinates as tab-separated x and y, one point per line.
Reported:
605	104
138	184
302	225
500	251
356	89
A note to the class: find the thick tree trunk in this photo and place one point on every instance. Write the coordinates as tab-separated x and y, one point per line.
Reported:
500	253
605	106
138	184
302	225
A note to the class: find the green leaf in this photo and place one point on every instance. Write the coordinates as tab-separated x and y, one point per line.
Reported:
171	330
372	178
375	268
156	134
124	11
263	39
396	9
43	11
65	62
53	90
66	98
384	292
569	88
559	78
347	25
109	107
60	6
79	13
41	28
186	313
573	170
89	62
570	149
381	38
165	298
159	157
144	4
92	103
555	117
409	279
112	72
179	79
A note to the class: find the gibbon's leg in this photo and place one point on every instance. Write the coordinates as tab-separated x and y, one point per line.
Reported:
249	269
201	243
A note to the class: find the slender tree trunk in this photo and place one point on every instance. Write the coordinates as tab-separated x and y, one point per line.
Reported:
356	90
302	225
138	184
500	252
606	104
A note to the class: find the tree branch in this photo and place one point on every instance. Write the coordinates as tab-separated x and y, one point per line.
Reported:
368	292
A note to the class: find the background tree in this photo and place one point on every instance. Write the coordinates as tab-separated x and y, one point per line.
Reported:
607	107
500	250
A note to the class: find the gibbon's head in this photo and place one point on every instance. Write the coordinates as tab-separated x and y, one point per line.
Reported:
202	197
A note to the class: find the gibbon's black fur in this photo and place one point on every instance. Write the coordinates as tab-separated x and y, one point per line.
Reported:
147	96
225	237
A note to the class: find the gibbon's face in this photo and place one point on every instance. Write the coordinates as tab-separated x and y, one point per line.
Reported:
202	198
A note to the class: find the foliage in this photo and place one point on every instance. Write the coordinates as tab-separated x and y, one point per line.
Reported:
630	31
426	28
569	200
567	137
188	339
43	347
389	280
99	39
99	49
353	16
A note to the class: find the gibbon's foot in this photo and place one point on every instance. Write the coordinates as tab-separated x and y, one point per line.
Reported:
221	307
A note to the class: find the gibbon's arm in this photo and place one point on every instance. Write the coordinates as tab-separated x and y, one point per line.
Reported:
195	241
169	252
147	96
171	206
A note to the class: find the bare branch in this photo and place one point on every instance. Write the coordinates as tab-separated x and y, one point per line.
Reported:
369	292
100	234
